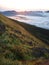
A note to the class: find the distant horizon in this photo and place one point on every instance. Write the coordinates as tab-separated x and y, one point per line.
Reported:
2	10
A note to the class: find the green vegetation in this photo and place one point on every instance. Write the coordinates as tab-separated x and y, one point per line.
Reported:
18	44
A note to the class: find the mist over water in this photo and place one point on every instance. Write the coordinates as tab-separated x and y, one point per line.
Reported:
39	21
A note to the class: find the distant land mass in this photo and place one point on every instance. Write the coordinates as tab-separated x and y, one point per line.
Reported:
29	13
33	13
9	13
47	11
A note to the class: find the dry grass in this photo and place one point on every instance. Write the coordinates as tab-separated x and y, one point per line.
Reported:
18	46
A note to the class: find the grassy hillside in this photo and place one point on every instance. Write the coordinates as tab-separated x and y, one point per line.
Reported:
42	34
22	44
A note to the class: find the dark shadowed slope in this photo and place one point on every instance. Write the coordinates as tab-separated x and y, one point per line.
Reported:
42	34
19	44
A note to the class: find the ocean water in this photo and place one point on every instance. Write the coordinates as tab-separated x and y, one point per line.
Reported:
39	21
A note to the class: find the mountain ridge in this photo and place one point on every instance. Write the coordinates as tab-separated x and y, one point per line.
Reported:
29	13
9	13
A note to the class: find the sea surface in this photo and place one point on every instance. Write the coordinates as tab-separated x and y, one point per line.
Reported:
39	21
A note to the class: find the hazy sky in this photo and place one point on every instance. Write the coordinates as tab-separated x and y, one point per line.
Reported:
21	5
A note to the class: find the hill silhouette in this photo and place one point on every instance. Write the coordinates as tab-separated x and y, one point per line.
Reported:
9	13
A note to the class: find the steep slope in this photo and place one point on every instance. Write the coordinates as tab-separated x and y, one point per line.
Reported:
38	32
18	43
